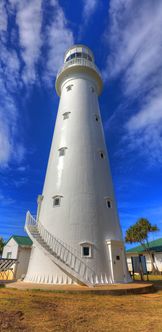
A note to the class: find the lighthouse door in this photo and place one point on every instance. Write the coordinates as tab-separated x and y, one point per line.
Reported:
117	260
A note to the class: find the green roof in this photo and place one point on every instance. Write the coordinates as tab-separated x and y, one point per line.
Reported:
21	240
155	245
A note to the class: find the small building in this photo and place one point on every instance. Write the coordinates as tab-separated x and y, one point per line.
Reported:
19	248
156	250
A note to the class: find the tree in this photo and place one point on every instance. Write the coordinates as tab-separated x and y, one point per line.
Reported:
2	243
138	233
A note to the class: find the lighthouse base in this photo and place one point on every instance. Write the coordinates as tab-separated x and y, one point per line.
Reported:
44	271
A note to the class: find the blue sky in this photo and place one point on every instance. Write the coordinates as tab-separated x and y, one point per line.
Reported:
125	36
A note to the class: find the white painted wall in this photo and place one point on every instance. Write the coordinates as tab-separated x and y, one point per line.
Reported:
81	177
22	254
12	247
158	261
23	261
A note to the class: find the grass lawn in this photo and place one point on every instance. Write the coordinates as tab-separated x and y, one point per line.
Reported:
33	310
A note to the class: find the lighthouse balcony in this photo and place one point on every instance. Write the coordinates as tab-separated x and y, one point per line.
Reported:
79	62
80	65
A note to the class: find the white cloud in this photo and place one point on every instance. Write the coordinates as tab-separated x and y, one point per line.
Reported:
135	43
20	55
89	8
5	145
3	16
149	115
59	38
22	168
29	20
11	148
5	200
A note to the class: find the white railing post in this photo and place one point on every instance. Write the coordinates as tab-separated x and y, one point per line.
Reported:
61	251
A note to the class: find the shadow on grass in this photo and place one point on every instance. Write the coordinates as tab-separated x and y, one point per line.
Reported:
2	285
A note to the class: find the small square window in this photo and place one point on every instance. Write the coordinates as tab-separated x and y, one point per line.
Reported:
89	57
66	115
69	87
118	258
102	155
86	251
62	152
109	203
56	200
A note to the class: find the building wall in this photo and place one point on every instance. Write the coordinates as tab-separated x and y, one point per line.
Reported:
23	261
158	261
10	247
22	254
10	250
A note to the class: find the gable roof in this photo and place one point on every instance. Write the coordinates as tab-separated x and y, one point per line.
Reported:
155	245
21	240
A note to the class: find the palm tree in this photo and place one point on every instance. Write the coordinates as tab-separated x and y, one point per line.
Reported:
139	232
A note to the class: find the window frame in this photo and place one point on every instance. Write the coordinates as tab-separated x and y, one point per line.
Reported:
102	154
66	115
109	202
88	245
62	151
97	119
57	197
79	55
69	87
92	89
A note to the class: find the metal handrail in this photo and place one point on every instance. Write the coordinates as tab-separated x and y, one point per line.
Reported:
59	248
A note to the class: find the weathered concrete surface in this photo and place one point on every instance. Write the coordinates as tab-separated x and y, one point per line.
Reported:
115	289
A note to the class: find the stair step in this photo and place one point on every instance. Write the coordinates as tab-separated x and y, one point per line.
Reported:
58	249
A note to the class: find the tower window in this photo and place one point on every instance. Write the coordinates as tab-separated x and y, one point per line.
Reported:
62	151
66	115
109	203
56	200
79	55
102	155
85	251
69	87
92	89
96	118
89	58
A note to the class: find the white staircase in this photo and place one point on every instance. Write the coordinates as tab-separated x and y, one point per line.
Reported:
59	252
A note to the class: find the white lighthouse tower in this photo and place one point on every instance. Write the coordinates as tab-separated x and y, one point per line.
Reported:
76	234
